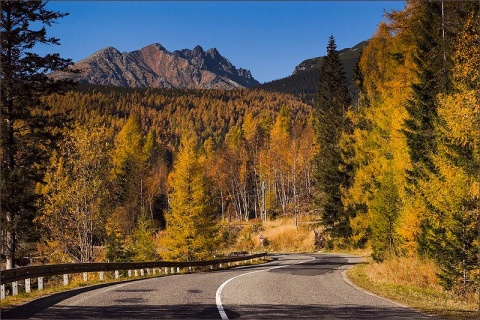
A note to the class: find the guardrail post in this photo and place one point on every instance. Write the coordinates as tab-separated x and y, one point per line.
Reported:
173	270
136	273
238	263
148	271
178	270
211	267
40	283
142	272
14	288
190	269
117	274
85	276
65	279
166	270
101	275
2	292
129	272
28	288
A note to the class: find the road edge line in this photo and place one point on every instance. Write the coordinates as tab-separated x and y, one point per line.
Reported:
218	294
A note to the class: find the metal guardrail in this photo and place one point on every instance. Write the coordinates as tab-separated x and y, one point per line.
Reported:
22	273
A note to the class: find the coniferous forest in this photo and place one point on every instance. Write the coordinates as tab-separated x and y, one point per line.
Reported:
94	173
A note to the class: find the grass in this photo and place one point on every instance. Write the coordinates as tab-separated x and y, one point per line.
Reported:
413	282
281	235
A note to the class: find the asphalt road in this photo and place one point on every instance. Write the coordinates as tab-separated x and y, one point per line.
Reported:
291	286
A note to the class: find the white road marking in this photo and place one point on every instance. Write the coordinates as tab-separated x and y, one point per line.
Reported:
218	295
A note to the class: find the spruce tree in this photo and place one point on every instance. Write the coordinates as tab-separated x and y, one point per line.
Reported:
28	126
432	79
332	105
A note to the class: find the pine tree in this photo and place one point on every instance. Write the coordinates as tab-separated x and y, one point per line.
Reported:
332	105
191	226
28	134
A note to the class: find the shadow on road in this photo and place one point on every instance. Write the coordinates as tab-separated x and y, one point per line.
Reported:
322	312
199	311
316	267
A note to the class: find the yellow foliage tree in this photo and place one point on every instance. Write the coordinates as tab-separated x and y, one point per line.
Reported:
192	229
75	193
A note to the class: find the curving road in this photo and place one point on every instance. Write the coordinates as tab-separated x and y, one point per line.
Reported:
291	286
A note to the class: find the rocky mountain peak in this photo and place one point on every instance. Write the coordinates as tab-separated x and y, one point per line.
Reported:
156	46
198	51
155	66
213	53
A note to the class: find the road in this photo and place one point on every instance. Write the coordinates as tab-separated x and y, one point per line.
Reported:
291	286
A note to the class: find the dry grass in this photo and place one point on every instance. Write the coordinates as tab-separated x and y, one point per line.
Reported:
281	235
413	282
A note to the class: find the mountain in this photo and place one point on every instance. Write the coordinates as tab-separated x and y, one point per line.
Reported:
304	80
154	66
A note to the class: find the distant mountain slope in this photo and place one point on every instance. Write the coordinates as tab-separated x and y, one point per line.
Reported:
304	79
154	66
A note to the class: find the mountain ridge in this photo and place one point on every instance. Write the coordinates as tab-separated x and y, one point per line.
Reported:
154	66
303	81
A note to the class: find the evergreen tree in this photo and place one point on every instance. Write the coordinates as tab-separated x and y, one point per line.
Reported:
451	234
332	105
191	226
431	80
28	133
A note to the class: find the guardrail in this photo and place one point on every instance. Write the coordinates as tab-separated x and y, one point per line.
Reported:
27	273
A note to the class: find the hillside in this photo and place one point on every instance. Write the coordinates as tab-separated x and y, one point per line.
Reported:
171	112
304	80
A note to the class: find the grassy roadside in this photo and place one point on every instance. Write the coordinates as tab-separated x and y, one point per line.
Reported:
413	282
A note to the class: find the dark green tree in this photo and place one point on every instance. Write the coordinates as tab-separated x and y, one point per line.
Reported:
432	79
29	127
331	172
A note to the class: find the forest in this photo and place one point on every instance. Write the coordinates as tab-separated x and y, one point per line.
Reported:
93	173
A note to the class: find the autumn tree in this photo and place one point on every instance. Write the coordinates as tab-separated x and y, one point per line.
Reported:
75	195
191	232
28	134
142	242
128	171
384	211
333	103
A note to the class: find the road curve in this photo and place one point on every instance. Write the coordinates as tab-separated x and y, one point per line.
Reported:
291	286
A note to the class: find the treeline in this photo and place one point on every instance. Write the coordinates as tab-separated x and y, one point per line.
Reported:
112	182
414	142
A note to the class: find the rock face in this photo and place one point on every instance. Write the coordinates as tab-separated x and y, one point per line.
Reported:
154	66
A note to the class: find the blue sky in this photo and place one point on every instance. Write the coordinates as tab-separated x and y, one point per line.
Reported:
268	37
